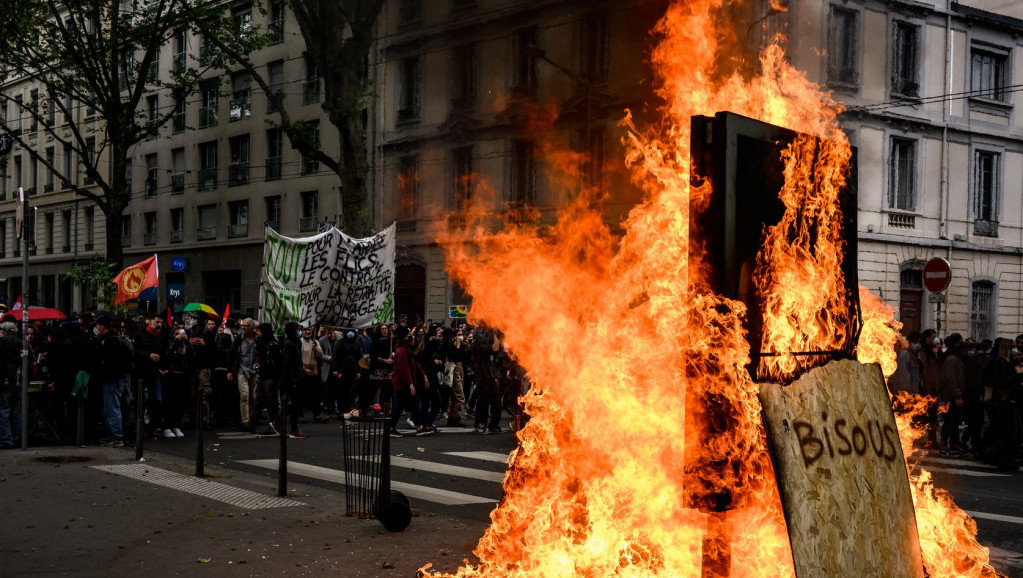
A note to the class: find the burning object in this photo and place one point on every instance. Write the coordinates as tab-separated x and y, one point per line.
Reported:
645	454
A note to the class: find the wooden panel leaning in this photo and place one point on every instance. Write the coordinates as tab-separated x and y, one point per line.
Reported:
841	473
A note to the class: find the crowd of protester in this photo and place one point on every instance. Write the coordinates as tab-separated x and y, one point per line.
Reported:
975	390
236	373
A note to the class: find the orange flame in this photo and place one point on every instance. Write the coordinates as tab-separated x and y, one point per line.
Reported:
645	454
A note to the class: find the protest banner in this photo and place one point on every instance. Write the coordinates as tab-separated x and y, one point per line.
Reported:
328	279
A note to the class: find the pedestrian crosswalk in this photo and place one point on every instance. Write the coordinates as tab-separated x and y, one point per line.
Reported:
958	467
483	467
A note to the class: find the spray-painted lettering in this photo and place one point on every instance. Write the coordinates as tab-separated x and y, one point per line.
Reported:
828	438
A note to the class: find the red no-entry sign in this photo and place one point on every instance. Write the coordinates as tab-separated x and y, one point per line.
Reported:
937	274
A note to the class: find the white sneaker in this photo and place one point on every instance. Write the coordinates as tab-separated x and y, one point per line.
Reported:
409	421
168	434
177	433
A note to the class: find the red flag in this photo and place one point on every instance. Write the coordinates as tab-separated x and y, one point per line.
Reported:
135	279
17	305
227	309
170	318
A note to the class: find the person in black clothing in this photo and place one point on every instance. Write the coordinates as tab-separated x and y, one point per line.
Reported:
202	338
291	376
269	358
108	374
225	399
150	345
177	362
427	356
485	348
1004	434
344	368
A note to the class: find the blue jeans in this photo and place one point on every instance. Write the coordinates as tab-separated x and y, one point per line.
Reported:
113	392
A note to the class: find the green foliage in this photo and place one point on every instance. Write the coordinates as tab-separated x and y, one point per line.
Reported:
98	276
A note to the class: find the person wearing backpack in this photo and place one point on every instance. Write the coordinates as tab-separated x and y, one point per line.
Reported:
268	370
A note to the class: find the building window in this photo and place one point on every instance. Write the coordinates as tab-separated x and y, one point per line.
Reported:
905	47
463	82
18	181
180	50
312	166
90	159
178	121
462	187
310	211
50	160
208	52
90	228
207	223
177	233
177	171
410	12
408	89
902	174
408	193
274	151
48	240
239	215
67	162
242	19
241	105
275	72
208	103
149	237
523	173
843	39
154	69
151	175
525	79
311	85
51	111
208	166
152	111
986	192
33	101
594	47
988	72
125	230
982	310
127	177
3	237
238	170
273	212
276	27
66	223
19	110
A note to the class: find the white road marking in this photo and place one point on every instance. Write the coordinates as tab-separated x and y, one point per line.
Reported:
972	473
198	486
485	456
411	490
955	462
995	517
425	466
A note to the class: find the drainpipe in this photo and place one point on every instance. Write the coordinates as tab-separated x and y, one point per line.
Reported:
946	114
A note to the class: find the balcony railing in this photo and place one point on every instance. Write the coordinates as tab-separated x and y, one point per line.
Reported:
125	242
179	61
178	183
311	91
307	224
901	221
205	233
273	168
241	230
177	236
237	174
985	228
48	188
178	122
208	179
149	238
274	224
150	187
276	30
207	116
406	226
240	108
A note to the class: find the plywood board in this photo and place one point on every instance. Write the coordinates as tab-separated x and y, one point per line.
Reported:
841	474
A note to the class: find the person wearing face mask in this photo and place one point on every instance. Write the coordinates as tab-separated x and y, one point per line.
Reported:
178	363
907	376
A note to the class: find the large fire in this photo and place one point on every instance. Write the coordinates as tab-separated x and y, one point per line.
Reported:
645	454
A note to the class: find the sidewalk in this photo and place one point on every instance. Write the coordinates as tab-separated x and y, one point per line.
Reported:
64	517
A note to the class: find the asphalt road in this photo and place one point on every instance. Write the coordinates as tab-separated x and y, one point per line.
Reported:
457	473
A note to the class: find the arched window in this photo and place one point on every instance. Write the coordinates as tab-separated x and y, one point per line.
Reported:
911	297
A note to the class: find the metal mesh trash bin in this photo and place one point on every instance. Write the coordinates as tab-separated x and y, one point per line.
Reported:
367	457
